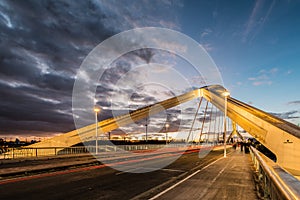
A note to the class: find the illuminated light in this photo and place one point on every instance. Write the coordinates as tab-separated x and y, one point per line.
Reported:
96	109
226	93
200	93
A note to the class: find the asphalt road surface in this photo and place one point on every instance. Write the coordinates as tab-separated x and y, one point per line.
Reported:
225	178
103	182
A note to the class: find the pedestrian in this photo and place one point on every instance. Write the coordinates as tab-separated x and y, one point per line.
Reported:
242	145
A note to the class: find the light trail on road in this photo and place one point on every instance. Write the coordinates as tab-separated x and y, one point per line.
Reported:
48	174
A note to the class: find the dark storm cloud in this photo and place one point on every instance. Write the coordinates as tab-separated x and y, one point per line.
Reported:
145	54
294	103
135	97
288	115
42	44
190	110
31	100
113	74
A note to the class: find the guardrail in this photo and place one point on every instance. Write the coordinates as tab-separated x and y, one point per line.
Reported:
25	152
273	181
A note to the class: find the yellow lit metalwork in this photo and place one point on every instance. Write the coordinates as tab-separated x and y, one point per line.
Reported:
280	136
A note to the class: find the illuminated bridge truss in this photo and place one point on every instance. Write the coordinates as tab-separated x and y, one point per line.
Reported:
279	136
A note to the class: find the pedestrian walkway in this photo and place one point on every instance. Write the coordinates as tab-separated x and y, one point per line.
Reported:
226	178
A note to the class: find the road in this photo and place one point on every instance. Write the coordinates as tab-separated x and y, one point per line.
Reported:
225	178
103	182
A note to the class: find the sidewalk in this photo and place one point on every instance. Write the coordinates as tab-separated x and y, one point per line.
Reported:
227	178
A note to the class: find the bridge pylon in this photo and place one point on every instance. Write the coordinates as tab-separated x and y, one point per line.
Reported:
234	132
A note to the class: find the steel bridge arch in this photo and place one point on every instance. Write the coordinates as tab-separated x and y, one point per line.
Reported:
278	135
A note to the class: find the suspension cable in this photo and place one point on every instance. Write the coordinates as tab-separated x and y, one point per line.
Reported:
194	119
210	117
228	123
220	126
214	138
203	121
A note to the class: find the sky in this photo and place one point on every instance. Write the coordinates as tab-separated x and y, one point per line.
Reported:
254	45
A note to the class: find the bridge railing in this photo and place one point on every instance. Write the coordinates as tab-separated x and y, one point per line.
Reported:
27	152
273	182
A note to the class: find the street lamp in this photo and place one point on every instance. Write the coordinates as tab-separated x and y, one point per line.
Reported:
167	126
146	125
96	110
225	94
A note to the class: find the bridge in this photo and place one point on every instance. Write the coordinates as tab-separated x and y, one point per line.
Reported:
279	136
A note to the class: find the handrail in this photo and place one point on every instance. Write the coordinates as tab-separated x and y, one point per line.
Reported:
277	183
28	151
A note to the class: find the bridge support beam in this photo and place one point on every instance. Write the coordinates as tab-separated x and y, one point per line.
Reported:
279	136
234	132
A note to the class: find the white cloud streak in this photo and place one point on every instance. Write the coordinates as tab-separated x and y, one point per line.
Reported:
264	77
256	20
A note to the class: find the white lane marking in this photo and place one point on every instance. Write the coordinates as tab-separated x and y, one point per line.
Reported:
218	174
147	168
193	174
172	170
204	192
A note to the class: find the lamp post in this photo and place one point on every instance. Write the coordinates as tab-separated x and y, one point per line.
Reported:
96	110
146	125
225	94
167	126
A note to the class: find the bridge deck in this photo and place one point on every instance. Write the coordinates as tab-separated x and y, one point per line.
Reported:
227	178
